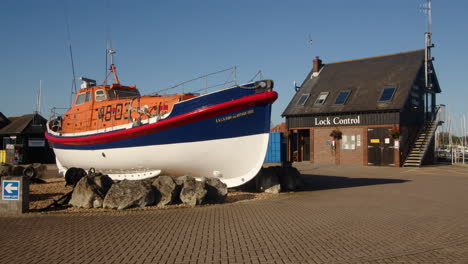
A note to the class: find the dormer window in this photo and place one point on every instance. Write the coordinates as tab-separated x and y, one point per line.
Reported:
100	95
321	98
342	97
303	99
387	94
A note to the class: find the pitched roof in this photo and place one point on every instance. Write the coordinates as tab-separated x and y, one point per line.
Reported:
279	128
20	124
3	120
365	78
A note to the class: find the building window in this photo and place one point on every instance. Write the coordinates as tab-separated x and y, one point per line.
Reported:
303	99
342	97
100	95
348	142
387	94
321	98
80	99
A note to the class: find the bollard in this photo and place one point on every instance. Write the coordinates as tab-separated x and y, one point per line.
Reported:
15	195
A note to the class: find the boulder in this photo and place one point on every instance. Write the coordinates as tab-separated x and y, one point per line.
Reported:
128	193
90	191
5	169
289	178
267	180
216	190
193	192
166	190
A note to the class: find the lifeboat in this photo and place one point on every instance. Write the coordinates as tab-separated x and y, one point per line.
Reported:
116	131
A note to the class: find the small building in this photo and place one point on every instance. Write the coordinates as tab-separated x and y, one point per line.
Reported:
24	142
3	120
372	111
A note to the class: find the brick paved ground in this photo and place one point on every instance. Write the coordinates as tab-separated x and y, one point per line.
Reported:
345	215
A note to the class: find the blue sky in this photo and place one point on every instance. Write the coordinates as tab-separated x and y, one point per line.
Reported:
161	43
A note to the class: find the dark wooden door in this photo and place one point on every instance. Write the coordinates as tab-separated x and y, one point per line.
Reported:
307	146
380	147
304	145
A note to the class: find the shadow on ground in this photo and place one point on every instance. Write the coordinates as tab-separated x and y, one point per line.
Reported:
320	182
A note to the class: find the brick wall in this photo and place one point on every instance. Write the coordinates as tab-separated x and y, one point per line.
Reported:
353	156
322	152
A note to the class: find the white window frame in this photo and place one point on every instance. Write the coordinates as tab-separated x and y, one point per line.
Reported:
321	98
100	97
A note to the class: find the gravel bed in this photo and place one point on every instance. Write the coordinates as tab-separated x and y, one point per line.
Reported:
43	194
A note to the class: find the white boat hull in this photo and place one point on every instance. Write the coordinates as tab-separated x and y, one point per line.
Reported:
233	160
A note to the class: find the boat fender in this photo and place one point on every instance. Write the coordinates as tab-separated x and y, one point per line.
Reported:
29	172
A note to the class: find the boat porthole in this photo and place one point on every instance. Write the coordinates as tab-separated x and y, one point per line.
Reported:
242	179
104	155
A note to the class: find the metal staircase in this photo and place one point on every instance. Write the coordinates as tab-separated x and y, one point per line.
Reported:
421	145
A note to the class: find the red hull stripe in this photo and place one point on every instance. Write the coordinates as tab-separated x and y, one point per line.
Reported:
194	116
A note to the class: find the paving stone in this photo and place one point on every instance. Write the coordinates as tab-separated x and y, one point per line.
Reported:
344	214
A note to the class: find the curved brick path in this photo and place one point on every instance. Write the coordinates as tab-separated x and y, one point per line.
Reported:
346	215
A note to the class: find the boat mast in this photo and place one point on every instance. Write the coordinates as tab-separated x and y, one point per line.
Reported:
38	99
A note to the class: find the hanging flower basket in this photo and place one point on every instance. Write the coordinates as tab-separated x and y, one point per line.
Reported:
336	134
394	133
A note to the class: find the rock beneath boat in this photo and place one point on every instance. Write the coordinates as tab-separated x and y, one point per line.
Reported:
128	194
166	190
193	192
267	180
216	190
90	191
289	177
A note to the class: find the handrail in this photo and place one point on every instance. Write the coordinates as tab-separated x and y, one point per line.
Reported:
233	70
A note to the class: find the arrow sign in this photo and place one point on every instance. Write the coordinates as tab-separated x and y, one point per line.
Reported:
10	190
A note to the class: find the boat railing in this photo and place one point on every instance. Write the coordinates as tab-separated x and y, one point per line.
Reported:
57	112
204	84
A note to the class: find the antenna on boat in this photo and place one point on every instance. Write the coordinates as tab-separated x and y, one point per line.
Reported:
112	68
73	88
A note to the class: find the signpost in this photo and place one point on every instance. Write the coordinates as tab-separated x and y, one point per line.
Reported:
10	190
15	195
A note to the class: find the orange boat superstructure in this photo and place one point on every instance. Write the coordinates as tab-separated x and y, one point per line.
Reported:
100	107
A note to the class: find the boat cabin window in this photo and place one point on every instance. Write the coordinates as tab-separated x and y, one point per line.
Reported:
100	95
117	93
88	97
80	99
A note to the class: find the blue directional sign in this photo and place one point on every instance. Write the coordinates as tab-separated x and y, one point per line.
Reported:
10	190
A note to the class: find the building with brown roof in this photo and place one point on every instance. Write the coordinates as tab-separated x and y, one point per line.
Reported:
24	142
370	111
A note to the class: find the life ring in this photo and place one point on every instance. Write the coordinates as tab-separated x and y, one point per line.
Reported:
55	124
29	172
